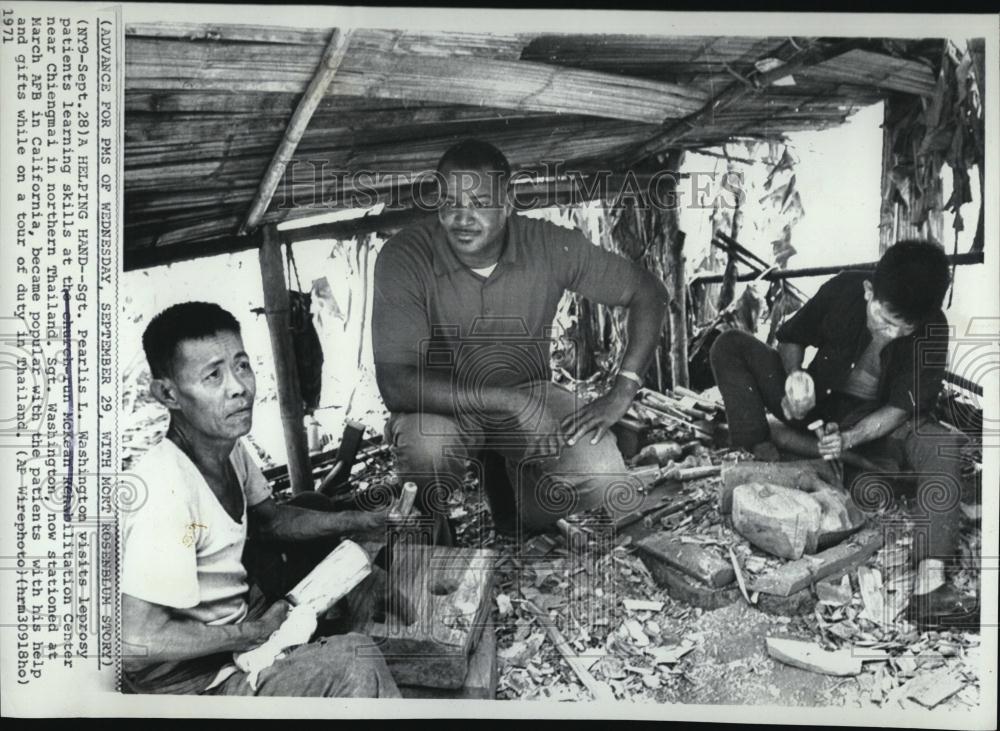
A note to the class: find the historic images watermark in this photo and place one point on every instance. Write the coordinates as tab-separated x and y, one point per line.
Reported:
318	184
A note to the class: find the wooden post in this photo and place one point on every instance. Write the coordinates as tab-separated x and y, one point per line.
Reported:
887	210
677	309
673	245
276	307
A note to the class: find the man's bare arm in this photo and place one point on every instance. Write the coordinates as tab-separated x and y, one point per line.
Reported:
792	355
647	305
154	634
290	523
408	389
879	423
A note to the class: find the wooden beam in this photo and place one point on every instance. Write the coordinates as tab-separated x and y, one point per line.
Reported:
276	308
795	57
332	58
972	257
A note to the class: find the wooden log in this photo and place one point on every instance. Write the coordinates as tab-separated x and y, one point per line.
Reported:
276	308
800	475
798	575
480	682
699	562
450	592
332	58
779	520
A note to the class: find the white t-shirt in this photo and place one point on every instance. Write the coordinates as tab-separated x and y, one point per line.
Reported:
180	548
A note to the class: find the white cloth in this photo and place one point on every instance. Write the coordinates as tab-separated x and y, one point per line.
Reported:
296	630
181	549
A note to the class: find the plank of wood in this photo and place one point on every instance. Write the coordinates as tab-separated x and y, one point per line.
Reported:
931	689
870	587
699	562
481	681
794	605
686	589
450	591
599	690
798	575
812	657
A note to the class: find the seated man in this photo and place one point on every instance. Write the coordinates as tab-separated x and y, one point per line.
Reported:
882	344
463	309
186	605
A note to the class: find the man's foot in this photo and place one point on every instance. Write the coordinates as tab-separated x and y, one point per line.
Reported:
944	607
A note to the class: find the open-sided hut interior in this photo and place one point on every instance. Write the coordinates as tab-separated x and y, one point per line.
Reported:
232	130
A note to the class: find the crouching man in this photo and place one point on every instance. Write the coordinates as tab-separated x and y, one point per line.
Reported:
882	345
462	313
186	600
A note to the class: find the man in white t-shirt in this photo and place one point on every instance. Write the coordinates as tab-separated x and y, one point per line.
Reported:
185	590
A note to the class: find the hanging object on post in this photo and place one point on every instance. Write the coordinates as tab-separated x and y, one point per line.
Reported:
305	339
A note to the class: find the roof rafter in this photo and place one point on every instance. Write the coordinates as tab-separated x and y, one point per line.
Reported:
332	58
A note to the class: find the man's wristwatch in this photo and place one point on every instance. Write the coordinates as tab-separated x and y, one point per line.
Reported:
632	376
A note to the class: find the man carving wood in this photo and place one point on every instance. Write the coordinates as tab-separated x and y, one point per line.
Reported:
882	345
186	599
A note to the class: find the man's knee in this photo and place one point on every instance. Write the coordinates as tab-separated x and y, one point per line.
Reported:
426	442
339	666
586	477
727	345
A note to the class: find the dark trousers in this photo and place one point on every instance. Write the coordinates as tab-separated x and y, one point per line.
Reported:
432	450
920	457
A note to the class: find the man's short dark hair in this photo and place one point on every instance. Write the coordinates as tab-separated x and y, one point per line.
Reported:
912	279
472	154
185	321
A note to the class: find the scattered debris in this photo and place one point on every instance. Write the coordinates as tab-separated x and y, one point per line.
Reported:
642	605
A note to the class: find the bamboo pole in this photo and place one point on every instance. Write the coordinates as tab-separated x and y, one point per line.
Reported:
972	257
332	58
276	308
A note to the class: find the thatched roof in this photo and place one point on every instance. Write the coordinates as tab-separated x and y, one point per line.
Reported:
207	106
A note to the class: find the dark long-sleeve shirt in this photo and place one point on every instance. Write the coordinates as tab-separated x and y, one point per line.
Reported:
835	322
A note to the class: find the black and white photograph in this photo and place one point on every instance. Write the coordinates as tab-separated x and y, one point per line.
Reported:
573	365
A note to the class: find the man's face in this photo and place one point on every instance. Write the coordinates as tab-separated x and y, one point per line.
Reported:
883	322
474	209
213	385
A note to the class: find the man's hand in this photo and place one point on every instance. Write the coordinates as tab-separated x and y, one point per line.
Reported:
800	395
598	417
258	630
834	444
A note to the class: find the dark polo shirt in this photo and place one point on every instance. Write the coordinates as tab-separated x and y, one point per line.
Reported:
835	321
431	311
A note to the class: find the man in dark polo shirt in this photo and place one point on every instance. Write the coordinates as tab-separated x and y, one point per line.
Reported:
882	345
463	311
